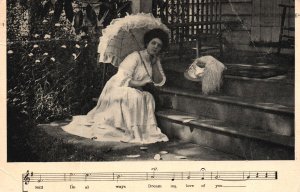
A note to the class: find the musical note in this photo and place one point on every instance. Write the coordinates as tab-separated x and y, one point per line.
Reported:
86	176
189	176
70	176
40	179
217	176
153	175
257	175
248	177
118	177
173	178
202	170
266	176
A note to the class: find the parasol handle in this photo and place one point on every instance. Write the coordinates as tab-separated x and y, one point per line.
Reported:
136	41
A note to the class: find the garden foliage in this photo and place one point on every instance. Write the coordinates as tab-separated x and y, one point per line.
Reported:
52	67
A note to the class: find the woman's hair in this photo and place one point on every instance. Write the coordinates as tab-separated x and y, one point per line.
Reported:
157	33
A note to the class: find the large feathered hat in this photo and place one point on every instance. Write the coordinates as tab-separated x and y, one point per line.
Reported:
208	70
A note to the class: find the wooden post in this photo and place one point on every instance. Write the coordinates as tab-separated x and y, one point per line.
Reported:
281	30
141	6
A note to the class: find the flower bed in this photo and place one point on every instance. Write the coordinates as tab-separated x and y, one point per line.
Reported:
52	80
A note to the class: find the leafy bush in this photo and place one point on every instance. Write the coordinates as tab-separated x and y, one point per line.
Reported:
52	69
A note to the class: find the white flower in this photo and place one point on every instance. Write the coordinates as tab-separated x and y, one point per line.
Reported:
163	152
36	35
51	12
24	112
37	61
82	34
10	52
77	46
45	21
15	99
75	56
85	45
45	54
57	24
47	36
30	54
44	3
63	46
52	59
65	28
35	46
157	157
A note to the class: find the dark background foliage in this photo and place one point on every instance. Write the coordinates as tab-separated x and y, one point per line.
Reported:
52	68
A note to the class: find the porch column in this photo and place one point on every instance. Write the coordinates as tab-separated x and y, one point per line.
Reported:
139	6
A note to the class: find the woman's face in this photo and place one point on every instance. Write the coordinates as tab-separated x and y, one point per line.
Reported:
154	46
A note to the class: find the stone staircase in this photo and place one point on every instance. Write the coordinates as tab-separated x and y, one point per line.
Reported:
250	117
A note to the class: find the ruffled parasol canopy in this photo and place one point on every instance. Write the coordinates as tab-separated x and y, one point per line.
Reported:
126	35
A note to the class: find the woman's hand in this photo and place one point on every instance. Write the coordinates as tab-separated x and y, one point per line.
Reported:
140	83
146	80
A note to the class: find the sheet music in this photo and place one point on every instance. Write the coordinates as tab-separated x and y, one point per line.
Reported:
194	180
30	177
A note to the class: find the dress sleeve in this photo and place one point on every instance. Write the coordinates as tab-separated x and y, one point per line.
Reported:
127	68
158	75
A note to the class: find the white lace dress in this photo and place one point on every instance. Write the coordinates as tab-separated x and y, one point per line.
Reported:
123	113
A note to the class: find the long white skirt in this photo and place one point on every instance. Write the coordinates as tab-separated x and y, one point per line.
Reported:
121	114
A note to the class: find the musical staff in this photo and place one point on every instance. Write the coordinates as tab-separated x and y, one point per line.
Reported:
143	176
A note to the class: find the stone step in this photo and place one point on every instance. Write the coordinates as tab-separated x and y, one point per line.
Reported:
83	149
269	117
251	144
263	90
278	91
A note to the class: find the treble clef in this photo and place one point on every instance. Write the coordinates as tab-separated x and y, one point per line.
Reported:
26	178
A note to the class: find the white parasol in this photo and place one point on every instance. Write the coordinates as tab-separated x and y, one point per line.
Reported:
126	35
